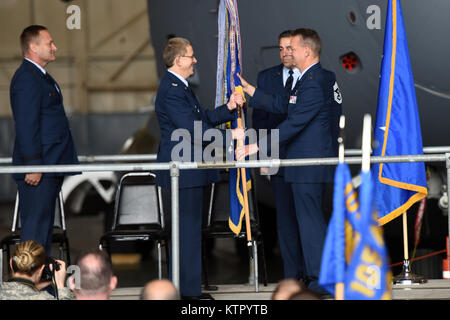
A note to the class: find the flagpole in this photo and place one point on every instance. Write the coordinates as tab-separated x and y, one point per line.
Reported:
244	179
366	143
405	236
339	288
407	277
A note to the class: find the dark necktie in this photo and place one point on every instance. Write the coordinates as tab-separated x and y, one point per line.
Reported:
192	94
48	78
290	79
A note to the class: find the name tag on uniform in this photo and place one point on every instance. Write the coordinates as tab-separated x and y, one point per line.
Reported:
293	99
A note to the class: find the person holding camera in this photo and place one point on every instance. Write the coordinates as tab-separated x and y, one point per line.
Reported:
26	283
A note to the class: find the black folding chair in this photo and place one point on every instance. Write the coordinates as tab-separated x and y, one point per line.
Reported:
217	226
59	235
138	214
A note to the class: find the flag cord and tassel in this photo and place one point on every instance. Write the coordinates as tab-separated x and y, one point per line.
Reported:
418	226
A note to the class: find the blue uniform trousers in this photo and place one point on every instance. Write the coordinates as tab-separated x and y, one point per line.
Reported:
311	228
287	229
37	210
190	218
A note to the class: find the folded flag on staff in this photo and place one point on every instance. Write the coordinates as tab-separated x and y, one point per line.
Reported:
354	254
368	275
343	233
228	66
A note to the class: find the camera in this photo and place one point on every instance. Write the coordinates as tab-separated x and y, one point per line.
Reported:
47	273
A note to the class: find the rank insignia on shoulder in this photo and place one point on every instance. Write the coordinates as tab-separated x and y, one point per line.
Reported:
174	84
293	100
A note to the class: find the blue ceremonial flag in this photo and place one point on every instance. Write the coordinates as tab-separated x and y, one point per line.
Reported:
343	230
228	66
397	128
368	275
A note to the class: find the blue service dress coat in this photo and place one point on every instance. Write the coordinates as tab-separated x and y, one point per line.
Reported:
178	108
311	127
43	137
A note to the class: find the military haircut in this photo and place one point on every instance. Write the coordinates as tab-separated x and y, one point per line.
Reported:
310	38
285	34
29	34
175	47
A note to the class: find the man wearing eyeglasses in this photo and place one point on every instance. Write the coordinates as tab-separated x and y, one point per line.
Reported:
178	108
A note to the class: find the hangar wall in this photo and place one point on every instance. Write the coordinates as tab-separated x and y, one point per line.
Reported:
105	66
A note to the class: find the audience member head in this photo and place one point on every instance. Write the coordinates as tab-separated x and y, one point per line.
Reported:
160	289
305	294
28	260
97	280
286	288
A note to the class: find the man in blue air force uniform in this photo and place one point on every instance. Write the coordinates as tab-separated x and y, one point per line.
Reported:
43	135
310	130
179	112
280	80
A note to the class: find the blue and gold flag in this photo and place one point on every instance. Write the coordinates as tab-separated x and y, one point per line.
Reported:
368	275
397	128
228	66
343	231
354	253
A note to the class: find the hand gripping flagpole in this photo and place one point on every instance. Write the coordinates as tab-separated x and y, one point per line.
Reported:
339	286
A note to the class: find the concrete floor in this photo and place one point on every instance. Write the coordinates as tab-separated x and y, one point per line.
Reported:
436	289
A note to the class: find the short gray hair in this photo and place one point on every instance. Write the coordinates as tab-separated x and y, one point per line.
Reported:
175	47
310	38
